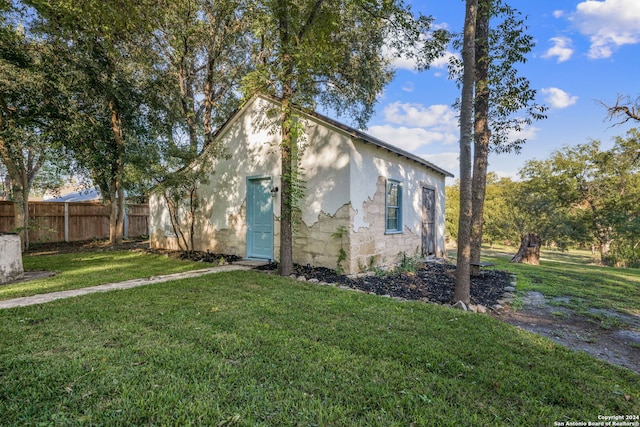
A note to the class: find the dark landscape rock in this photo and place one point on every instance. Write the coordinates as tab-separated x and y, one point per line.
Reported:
433	282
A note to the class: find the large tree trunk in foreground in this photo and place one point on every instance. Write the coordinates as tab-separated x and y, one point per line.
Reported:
529	252
462	290
286	209
482	133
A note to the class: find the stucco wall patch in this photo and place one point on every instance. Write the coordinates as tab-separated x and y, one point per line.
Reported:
10	258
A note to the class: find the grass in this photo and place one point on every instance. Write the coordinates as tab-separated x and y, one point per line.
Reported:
572	274
79	270
245	348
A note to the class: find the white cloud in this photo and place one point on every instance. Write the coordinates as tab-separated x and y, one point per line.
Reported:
413	126
439	117
404	63
558	98
528	132
609	24
558	13
442	62
440	26
409	87
410	138
562	48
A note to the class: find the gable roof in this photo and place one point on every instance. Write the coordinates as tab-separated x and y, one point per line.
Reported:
354	133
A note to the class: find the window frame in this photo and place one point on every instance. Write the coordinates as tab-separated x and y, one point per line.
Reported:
397	207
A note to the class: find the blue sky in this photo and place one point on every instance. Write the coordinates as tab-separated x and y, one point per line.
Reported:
586	52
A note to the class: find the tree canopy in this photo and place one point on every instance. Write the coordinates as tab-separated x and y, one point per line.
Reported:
327	52
146	88
31	100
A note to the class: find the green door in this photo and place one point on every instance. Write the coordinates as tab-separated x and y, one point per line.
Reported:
259	218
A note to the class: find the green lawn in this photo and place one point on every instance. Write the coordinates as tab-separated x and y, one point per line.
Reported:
79	270
246	348
572	274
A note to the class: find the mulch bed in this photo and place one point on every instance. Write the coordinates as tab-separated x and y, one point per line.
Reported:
435	283
199	256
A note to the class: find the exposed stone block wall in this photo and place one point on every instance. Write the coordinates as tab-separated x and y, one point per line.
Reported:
371	245
316	245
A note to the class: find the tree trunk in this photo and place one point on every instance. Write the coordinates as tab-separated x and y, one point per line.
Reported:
529	252
193	204
113	213
21	213
286	148
482	133
116	217
173	206
462	290
121	214
286	208
14	161
187	101
605	247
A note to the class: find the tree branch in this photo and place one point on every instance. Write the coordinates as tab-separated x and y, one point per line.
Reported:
310	19
623	110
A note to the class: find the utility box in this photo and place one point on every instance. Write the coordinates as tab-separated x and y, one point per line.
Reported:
10	258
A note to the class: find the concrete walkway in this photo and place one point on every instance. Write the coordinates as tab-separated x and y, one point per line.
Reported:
44	298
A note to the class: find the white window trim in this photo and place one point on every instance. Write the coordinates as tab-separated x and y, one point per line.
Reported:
400	228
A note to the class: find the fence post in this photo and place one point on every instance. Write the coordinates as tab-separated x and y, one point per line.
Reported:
66	221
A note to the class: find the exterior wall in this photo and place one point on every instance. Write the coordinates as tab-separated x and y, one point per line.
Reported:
325	208
253	146
370	169
371	246
221	225
344	188
160	234
229	240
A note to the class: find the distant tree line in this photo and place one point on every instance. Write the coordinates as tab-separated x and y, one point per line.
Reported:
580	196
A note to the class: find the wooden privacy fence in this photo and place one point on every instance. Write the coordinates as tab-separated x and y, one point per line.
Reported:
74	221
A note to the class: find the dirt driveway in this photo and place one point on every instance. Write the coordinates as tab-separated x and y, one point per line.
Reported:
616	339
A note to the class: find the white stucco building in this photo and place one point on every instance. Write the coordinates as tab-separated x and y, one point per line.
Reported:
385	200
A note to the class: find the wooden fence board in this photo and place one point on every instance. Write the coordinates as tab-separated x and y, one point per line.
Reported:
6	216
86	220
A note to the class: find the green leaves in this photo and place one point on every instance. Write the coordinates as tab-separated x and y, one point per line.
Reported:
512	104
591	195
